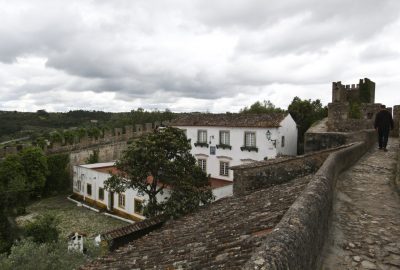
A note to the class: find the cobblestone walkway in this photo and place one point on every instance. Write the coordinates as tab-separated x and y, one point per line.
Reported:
365	232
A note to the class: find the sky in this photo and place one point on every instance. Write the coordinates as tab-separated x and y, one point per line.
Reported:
197	55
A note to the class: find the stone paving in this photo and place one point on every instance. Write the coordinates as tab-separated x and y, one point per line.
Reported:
365	229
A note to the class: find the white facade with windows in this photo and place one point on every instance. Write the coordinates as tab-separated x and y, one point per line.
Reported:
88	183
238	141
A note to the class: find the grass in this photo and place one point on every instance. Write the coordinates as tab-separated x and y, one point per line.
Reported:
72	218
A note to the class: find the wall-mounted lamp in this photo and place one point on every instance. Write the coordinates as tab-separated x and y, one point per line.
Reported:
268	134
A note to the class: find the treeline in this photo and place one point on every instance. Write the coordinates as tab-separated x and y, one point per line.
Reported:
15	124
24	177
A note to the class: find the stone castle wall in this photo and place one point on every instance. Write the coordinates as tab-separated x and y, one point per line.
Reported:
108	137
296	242
264	174
107	152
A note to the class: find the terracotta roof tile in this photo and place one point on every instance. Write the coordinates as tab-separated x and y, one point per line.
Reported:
223	235
230	120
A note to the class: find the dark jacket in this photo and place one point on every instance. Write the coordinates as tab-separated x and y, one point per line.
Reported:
383	120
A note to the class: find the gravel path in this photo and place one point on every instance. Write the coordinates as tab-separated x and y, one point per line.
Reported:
365	230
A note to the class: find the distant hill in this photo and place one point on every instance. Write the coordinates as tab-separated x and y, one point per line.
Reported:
15	124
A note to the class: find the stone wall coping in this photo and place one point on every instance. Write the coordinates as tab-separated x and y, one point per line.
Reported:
286	159
296	241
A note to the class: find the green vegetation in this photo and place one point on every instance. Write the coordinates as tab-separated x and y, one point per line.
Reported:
355	110
365	92
265	107
93	157
58	178
158	160
305	113
24	177
46	227
70	218
29	255
35	167
70	126
43	229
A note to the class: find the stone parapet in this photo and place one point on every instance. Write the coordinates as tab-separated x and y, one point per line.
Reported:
296	241
264	174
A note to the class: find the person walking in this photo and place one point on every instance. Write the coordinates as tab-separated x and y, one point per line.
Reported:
383	124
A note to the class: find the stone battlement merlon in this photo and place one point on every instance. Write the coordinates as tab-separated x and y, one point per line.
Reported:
363	92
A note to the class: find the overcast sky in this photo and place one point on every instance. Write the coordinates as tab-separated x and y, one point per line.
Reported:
192	55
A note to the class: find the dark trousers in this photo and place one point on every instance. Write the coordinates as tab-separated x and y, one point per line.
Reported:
383	135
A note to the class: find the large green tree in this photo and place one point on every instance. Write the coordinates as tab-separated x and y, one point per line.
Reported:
305	113
58	178
35	167
13	184
159	160
13	197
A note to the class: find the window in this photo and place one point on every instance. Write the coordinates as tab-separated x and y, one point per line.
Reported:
202	136
224	137
250	139
121	200
283	141
223	168
101	194
138	206
89	189
202	164
79	185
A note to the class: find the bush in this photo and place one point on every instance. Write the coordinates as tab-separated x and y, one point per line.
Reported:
93	158
28	255
43	229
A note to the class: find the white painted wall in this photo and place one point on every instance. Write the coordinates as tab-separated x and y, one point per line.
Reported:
289	130
88	175
223	192
97	179
235	156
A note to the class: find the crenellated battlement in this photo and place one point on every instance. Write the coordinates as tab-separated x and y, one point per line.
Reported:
363	92
107	136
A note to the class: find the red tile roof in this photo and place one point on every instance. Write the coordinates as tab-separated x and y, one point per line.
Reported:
271	120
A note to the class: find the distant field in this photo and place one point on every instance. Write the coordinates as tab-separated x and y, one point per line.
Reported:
72	218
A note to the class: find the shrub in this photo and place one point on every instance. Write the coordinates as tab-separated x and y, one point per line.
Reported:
43	229
28	255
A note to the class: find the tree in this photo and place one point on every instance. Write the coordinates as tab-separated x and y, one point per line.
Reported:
58	178
158	160
34	163
265	107
43	229
13	198
305	113
13	185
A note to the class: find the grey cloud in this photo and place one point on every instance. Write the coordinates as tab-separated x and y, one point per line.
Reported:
137	50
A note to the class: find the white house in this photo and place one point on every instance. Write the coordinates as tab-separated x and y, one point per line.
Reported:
88	186
223	140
